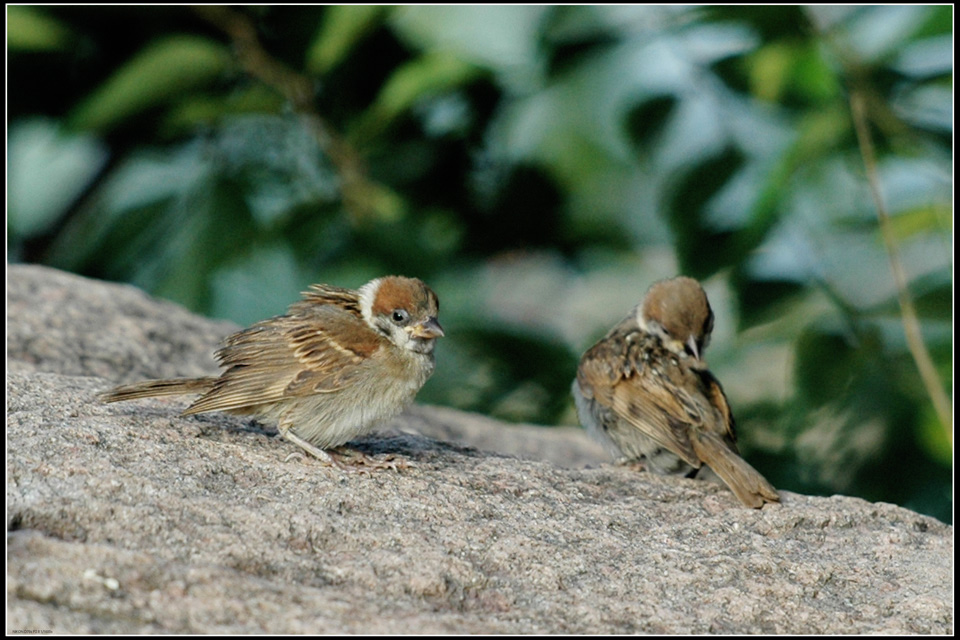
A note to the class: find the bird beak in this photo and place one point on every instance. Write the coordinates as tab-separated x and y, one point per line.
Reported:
692	346
427	329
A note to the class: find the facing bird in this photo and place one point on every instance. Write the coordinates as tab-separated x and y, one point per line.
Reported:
645	392
339	362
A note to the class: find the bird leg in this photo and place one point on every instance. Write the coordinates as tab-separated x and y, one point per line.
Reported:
348	460
635	464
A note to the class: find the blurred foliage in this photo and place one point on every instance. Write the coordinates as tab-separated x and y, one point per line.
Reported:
539	167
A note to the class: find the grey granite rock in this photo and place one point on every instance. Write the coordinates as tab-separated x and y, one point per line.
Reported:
128	518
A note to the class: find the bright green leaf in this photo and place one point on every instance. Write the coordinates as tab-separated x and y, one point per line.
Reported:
30	30
427	76
814	78
343	26
936	218
935	437
162	71
770	70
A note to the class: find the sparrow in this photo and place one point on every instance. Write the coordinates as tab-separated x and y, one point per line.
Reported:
339	362
646	393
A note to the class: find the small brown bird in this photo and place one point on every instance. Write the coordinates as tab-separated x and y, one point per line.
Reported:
336	364
644	391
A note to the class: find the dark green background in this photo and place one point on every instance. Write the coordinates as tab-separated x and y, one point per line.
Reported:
539	167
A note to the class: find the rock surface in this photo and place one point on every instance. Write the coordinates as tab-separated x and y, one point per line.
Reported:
128	518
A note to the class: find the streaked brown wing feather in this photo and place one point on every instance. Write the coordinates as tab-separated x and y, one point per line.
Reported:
327	365
719	400
290	356
594	374
658	412
617	373
323	294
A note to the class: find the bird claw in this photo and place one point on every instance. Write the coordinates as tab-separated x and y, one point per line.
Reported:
633	464
295	454
358	462
347	460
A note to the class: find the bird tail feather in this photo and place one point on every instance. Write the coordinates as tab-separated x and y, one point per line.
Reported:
154	388
747	484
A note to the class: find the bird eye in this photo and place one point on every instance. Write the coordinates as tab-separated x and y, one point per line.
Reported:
400	316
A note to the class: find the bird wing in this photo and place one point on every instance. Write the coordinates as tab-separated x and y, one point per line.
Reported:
315	348
325	294
658	409
617	373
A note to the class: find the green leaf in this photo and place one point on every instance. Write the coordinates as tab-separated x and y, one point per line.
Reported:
932	299
162	71
427	76
760	301
821	131
934	438
206	228
47	171
813	77
646	120
375	201
31	30
792	73
343	26
936	217
769	70
825	366
701	249
939	21
770	22
195	109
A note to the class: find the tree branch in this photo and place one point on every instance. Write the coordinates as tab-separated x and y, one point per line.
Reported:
911	324
361	196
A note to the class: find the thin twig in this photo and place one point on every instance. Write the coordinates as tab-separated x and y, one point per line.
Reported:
355	186
911	324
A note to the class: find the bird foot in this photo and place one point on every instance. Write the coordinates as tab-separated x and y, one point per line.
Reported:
347	460
364	463
633	464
